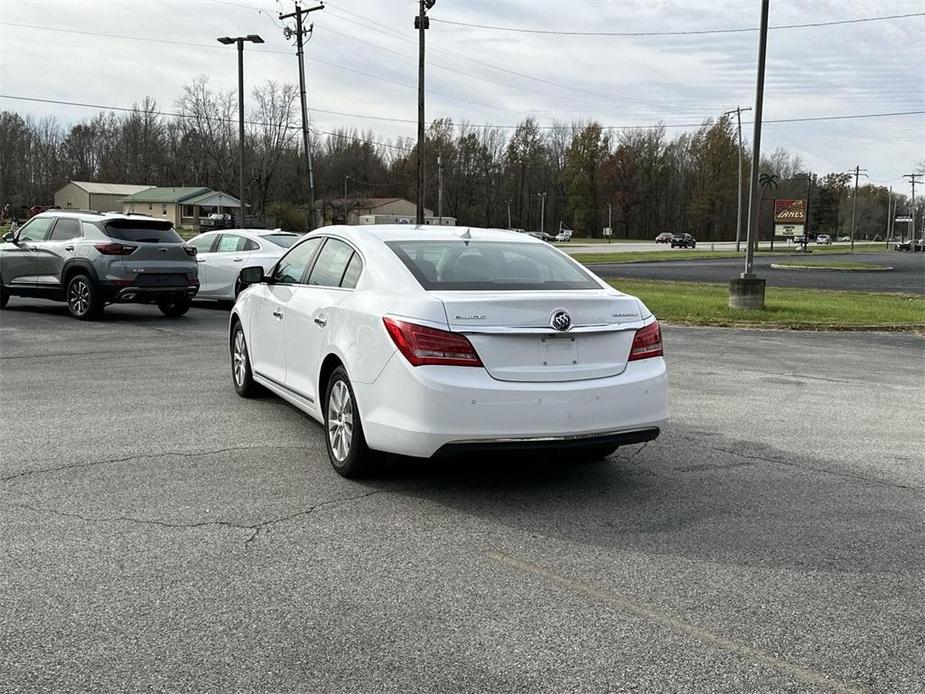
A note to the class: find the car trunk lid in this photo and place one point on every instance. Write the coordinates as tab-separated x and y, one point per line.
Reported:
514	336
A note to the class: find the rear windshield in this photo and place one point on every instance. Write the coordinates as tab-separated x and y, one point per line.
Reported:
283	240
141	230
490	265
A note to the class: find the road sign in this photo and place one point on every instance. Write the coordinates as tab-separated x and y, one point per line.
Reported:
790	212
608	231
903	219
790	230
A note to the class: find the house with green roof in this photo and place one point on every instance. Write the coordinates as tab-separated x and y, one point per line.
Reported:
187	207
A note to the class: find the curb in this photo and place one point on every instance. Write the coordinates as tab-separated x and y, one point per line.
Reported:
822	268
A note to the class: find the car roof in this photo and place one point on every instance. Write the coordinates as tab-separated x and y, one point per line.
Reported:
92	215
414	232
249	232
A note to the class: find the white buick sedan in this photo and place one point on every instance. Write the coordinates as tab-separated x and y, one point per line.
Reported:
222	254
424	341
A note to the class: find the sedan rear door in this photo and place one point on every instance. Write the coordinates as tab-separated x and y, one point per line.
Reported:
228	256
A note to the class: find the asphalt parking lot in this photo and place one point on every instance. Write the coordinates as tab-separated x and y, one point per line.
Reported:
907	276
162	534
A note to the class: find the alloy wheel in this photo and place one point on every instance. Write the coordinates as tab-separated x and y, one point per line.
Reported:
340	421
239	356
79	296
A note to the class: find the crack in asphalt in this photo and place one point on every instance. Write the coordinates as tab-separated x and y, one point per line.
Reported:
254	529
801	466
140	456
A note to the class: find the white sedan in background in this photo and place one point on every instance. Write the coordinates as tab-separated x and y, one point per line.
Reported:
222	254
418	342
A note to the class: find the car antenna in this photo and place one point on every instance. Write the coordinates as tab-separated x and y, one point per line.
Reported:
466	236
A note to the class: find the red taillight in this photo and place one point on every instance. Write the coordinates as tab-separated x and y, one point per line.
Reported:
647	343
421	345
190	250
115	248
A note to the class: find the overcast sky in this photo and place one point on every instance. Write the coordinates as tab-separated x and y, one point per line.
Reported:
363	60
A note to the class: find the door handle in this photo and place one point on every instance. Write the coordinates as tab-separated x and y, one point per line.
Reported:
237	260
33	249
321	320
69	248
201	260
278	315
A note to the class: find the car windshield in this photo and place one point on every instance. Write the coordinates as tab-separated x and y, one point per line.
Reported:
142	230
490	265
282	240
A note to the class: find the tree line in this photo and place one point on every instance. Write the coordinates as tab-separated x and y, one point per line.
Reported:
580	175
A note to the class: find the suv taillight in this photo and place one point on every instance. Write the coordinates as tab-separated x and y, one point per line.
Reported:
115	248
190	250
421	345
647	343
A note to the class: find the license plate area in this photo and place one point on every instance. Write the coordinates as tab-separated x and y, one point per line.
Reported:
160	280
558	351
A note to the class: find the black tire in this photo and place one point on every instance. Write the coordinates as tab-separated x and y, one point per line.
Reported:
84	301
4	297
175	306
350	456
242	378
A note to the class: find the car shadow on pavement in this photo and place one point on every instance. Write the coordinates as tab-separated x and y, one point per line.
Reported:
686	494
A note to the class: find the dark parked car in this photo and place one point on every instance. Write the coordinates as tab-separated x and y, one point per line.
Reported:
683	241
664	237
90	259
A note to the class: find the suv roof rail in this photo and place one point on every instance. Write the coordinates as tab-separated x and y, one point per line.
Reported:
71	210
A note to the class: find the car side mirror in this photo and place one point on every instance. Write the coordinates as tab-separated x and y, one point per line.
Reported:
251	275
9	236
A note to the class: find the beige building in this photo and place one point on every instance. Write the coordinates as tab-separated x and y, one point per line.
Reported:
375	211
186	207
101	197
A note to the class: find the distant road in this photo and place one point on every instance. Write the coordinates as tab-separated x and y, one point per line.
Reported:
908	275
630	246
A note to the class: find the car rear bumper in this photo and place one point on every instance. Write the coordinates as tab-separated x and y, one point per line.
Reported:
116	293
419	411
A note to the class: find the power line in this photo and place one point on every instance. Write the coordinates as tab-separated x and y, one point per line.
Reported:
690	32
851	116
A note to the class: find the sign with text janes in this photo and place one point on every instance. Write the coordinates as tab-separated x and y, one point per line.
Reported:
790	211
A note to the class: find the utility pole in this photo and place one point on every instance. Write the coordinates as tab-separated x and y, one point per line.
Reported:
509	213
239	40
747	291
542	197
421	23
889	217
858	172
912	180
440	190
738	111
610	221
300	31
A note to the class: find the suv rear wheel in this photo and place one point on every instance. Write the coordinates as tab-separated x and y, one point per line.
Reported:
83	299
174	306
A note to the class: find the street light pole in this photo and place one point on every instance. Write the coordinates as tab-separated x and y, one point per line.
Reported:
421	23
239	40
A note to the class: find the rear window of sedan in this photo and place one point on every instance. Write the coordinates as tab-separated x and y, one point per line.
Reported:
281	240
142	231
490	265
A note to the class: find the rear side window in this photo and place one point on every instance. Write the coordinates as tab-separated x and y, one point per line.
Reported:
490	265
281	240
331	264
352	273
292	266
232	243
35	229
141	231
65	229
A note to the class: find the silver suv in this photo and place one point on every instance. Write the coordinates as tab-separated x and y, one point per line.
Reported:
90	259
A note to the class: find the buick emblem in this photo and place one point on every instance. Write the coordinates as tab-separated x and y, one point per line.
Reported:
561	320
